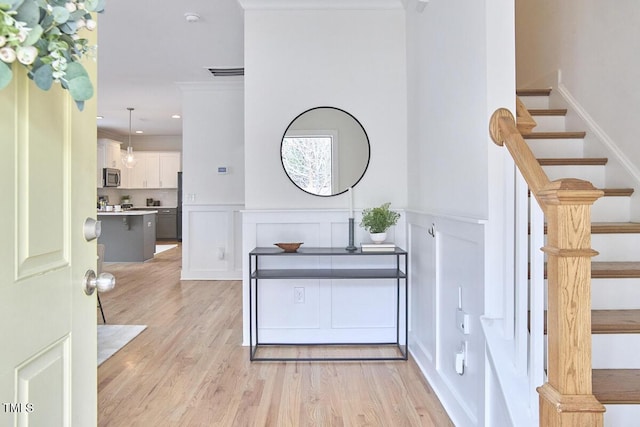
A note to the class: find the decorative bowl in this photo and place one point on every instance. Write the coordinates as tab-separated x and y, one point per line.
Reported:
289	247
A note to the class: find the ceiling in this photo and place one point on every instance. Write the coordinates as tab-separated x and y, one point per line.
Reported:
146	48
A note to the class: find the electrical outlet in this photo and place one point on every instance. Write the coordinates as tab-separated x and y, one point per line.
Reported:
298	295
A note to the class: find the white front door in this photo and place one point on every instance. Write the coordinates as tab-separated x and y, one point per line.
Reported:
47	323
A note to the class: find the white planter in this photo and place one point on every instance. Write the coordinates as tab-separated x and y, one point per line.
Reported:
378	237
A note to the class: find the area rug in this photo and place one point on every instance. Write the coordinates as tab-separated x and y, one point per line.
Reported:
162	248
112	338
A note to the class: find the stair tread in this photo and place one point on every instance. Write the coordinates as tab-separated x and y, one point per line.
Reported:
615	227
615	269
615	321
548	111
555	135
611	386
533	92
573	161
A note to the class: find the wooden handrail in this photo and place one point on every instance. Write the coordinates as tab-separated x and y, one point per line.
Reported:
503	131
567	398
525	123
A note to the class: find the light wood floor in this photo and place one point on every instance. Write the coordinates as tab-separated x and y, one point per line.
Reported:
188	367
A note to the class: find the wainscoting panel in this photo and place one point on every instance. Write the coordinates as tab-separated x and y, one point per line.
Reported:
447	271
211	242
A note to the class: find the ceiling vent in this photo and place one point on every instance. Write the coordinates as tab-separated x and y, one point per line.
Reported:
226	72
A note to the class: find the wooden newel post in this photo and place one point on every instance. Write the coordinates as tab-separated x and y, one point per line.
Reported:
567	398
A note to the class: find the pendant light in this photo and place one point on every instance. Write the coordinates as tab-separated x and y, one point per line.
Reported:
128	160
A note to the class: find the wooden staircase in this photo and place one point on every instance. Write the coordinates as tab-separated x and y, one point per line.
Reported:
610	386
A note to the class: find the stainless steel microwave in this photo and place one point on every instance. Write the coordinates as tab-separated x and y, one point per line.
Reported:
110	177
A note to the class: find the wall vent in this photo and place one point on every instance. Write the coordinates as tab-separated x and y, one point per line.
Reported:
226	72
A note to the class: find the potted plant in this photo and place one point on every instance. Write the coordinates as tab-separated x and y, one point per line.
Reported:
378	220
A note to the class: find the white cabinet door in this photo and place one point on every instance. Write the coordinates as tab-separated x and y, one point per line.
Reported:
113	155
138	174
109	156
125	173
169	168
100	163
146	172
152	166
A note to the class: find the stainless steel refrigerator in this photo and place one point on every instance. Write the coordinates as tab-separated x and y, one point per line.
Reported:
179	216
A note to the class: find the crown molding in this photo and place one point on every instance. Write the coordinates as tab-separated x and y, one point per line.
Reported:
320	4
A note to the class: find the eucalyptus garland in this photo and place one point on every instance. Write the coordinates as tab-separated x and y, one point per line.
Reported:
42	36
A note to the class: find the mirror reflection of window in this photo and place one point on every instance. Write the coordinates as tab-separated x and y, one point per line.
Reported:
310	162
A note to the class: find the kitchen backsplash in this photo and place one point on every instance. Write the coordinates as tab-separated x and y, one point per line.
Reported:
139	197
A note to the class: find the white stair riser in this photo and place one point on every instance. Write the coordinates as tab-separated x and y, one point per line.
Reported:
616	247
593	174
549	123
621	415
615	294
554	148
535	102
615	351
611	209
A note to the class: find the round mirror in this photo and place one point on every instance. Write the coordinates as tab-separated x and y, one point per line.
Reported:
324	151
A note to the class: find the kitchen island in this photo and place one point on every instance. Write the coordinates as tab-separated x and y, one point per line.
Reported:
128	236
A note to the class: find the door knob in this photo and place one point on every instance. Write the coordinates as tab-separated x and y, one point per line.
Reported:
103	283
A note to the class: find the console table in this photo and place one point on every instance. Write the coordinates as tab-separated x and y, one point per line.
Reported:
399	273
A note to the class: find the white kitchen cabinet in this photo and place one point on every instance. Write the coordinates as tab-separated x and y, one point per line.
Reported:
155	170
143	169
125	173
108	157
169	168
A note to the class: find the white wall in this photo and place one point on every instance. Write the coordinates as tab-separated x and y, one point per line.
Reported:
461	67
349	59
213	136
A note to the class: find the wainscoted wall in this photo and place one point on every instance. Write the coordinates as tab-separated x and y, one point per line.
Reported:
446	270
334	310
210	248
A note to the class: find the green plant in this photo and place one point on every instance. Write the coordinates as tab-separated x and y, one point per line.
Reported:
42	36
379	219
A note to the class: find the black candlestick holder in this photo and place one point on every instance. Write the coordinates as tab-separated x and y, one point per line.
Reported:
351	247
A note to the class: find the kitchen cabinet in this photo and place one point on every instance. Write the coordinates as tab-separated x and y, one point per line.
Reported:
108	156
128	236
125	173
167	224
146	172
155	170
169	167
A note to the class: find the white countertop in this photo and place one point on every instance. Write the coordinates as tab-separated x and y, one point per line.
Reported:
127	212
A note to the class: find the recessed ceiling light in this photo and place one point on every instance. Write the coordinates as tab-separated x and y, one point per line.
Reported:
176	116
139	131
191	17
99	117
